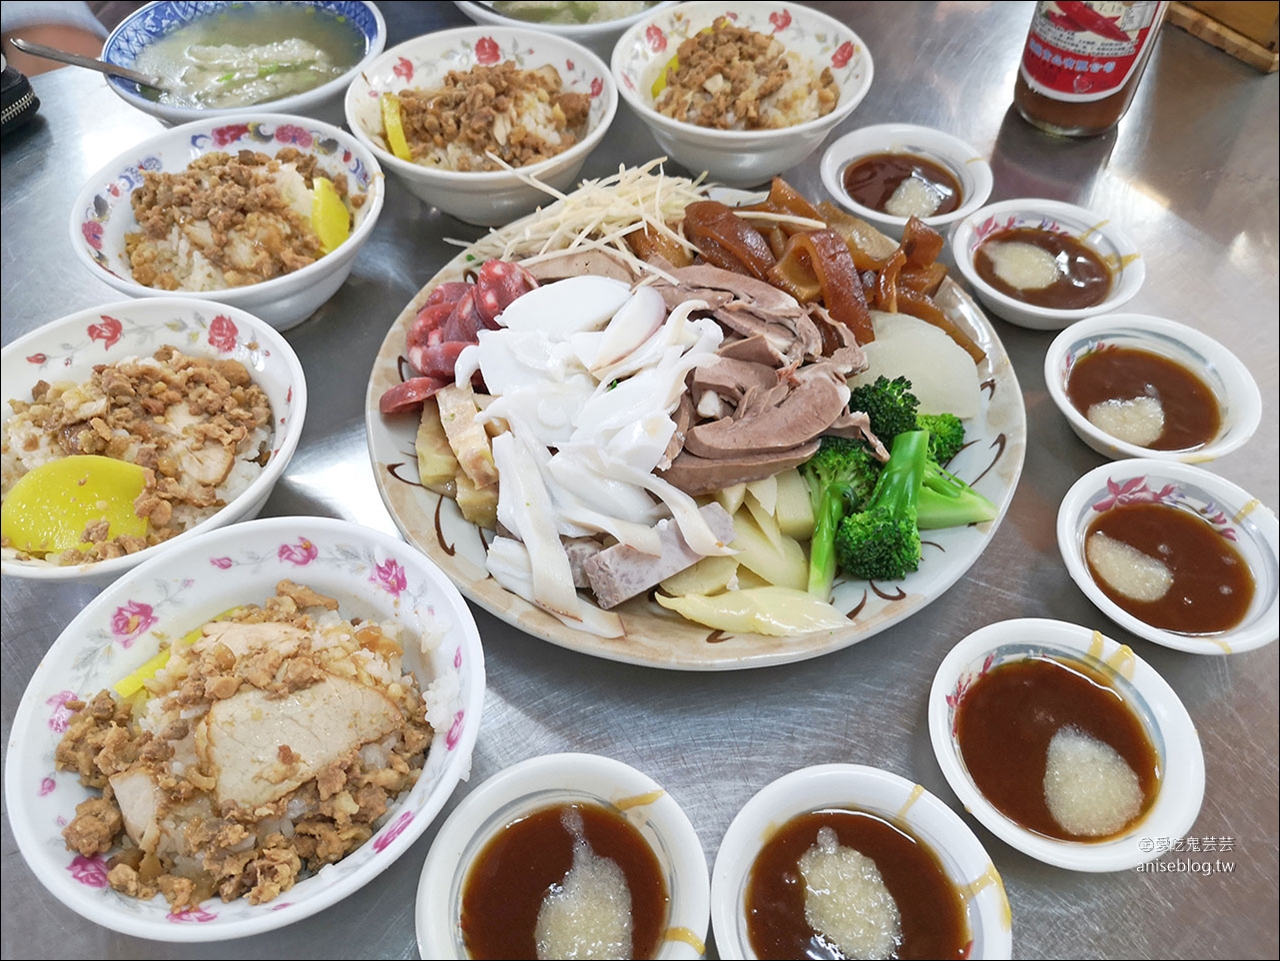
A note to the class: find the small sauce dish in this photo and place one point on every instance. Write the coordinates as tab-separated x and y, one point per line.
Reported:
902	806
1092	239
515	795
963	162
1175	803
1232	531
1109	338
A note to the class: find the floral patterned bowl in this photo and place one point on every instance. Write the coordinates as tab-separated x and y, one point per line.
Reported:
547	781
69	349
495	197
1220	370
740	158
599	37
1173	735
155	20
1244	521
371	575
1112	244
103	215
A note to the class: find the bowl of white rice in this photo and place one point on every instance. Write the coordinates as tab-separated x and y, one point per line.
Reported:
70	357
794	75
231	209
484	110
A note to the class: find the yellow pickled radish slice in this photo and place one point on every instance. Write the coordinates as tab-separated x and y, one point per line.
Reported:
660	84
129	686
329	217
48	509
672	65
393	125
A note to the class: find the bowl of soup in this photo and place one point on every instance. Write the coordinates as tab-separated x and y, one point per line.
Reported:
890	172
843	860
1174	554
223	57
1044	264
1132	385
1065	744
597	26
565	855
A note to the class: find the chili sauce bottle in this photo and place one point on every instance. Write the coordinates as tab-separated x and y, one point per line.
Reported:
1082	62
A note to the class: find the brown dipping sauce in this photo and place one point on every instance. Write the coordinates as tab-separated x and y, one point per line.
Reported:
934	923
1083	279
1192	417
872	180
1008	717
505	887
1212	584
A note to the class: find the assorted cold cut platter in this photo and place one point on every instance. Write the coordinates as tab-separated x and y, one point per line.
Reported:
429	336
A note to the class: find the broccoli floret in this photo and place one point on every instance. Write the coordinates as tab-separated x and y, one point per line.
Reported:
946	435
890	405
947	501
882	542
841	477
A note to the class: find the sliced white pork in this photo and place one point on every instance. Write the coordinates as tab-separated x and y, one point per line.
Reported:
245	737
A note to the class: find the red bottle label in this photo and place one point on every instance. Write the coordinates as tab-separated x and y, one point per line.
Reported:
1086	51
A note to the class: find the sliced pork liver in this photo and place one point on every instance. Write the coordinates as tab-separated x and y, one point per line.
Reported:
704	475
803	414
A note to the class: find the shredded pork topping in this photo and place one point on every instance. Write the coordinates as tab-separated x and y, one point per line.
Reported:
245	216
188	421
521	116
324	728
732	78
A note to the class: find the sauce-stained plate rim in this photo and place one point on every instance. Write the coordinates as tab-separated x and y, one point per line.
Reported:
654	636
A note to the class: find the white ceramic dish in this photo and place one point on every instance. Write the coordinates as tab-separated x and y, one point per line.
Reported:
993	462
481	197
549	780
1173	735
856	787
155	20
953	154
1233	513
371	575
1094	230
102	215
740	158
599	38
70	347
1233	386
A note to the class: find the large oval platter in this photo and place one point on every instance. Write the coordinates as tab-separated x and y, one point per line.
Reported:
991	461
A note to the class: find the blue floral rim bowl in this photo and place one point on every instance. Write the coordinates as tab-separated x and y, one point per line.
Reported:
161	18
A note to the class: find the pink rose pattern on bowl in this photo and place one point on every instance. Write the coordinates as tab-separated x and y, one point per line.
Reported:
1137	490
672	28
161	609
115	193
138	338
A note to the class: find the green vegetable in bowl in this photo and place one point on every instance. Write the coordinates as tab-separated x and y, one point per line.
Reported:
568	11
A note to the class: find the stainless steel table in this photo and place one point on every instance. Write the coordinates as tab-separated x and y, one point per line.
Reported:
1191	173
